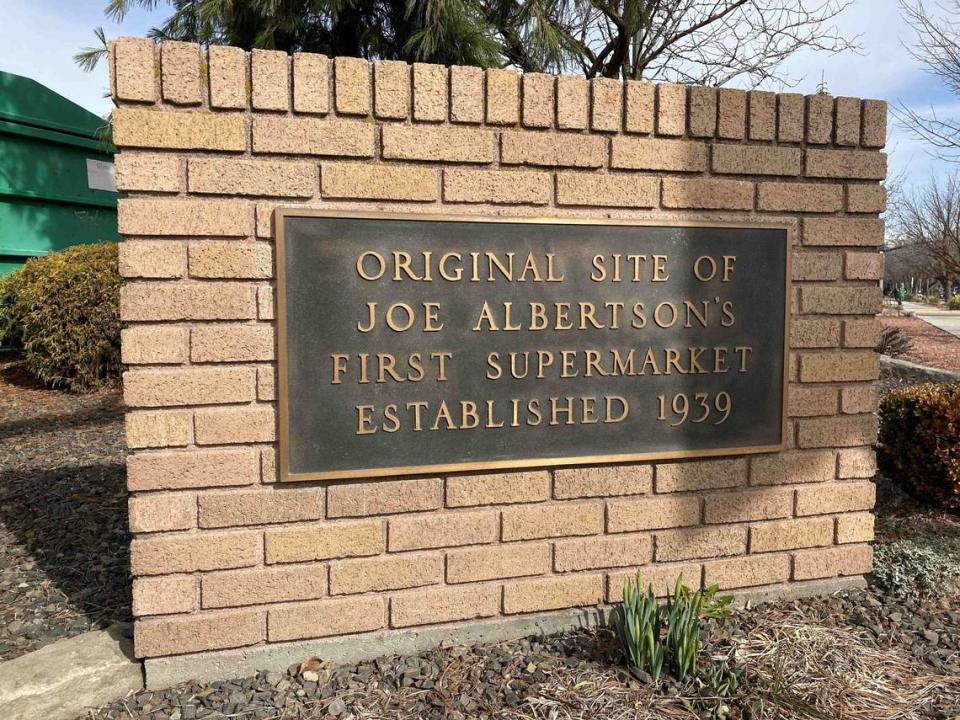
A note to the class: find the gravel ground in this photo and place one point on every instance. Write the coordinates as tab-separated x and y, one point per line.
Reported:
64	563
931	345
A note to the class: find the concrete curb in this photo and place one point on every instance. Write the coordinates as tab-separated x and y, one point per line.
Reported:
934	374
62	680
230	664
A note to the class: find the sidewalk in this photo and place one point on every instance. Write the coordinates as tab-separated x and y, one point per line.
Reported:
948	320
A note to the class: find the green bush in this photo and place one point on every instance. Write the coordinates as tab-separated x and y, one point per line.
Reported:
64	310
954	303
919	444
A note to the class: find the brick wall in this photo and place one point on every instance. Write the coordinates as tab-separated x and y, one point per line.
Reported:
212	141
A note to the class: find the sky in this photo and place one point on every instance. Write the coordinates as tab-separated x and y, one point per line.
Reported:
39	37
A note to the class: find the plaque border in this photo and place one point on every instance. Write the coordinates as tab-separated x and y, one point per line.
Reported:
281	213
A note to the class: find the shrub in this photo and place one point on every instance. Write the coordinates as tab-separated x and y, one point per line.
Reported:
919	444
926	565
954	303
893	343
64	310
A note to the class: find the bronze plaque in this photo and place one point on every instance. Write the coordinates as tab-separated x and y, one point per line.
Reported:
422	344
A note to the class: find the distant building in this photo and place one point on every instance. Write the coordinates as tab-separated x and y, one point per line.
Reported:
56	173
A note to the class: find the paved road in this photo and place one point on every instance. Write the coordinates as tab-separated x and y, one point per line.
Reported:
948	320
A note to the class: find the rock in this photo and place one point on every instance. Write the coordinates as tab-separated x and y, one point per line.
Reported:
337	707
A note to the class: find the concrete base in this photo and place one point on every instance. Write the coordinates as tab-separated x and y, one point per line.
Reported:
61	681
931	374
229	664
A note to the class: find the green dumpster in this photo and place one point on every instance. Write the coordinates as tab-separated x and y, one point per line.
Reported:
56	174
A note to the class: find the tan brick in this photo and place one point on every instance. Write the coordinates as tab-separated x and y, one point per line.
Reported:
311	83
863	266
653	513
607	189
650	154
663	579
266	307
747	571
186	301
859	399
841	300
391	89
523	596
671	109
153	216
707	194
573	102
609	551
213	631
391	572
445	529
235	588
866	198
520	147
266	383
231	343
792	467
158	512
378	182
228	77
817	265
153	129
732	114
352	85
839	366
381	498
812	401
814	333
835	498
268	464
194	469
146	429
847	121
843	231
543	521
223	426
507	187
819	119
756	160
430	92
764	504
442	605
270	76
703	111
800	197
763	115
837	432
134	69
166	595
220	260
443	144
606	110
195	386
790	117
324	542
538	100
861	333
701	475
215	176
164	554
874	123
153	345
849	164
855	527
791	535
700	543
638	113
857	463
149	172
325	618
602	481
492	562
466	94
503	97
830	562
312	136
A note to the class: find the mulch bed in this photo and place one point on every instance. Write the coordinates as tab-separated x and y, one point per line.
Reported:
931	345
64	565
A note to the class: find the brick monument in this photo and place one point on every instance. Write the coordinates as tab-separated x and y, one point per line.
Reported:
236	569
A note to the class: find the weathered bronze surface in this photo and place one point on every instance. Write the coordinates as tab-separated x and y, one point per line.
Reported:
415	344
